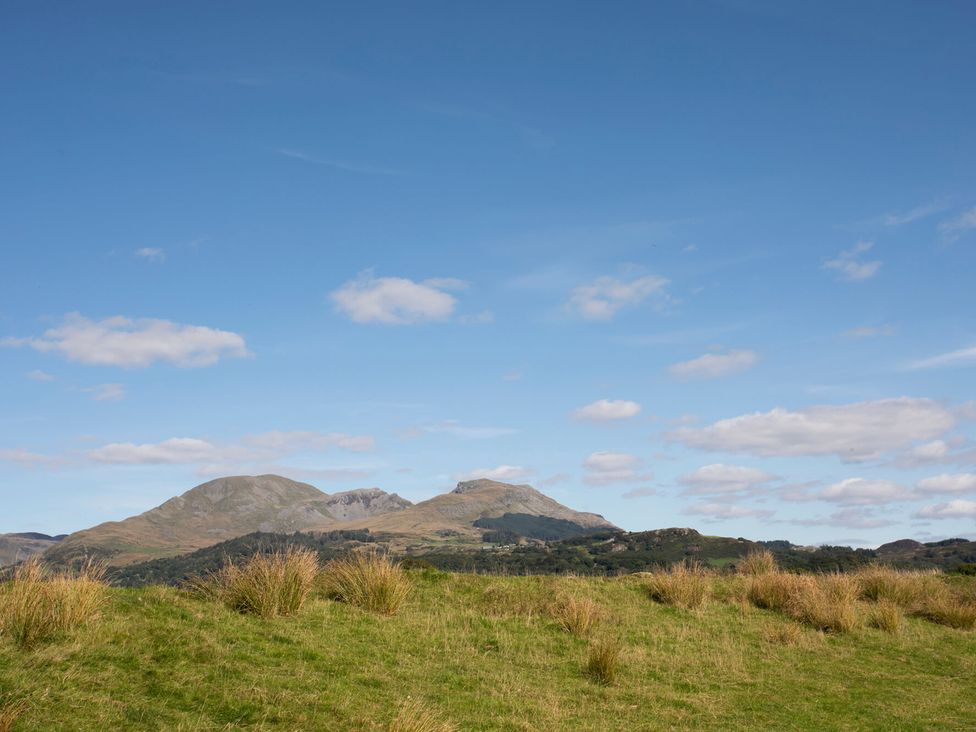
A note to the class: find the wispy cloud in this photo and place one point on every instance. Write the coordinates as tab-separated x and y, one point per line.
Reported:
605	296
38	375
151	254
607	410
956	227
715	365
869	331
394	300
962	357
349	167
106	392
503	473
604	468
851	264
914	214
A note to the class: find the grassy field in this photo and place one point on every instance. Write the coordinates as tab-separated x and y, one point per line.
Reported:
473	652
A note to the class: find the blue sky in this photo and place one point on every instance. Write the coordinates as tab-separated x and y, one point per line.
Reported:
704	264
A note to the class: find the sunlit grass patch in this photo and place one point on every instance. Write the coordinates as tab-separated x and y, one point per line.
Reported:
682	585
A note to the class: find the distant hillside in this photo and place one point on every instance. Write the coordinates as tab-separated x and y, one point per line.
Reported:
452	517
219	510
18	547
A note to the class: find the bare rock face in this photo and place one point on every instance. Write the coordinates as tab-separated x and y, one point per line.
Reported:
364	503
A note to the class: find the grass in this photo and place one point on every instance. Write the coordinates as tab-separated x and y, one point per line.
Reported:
758	561
368	580
603	660
268	585
160	658
416	716
887	616
38	606
9	713
683	585
576	615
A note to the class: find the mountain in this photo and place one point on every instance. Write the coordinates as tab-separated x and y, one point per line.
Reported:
17	547
218	510
476	505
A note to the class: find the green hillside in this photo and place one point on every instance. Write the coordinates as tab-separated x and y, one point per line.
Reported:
481	653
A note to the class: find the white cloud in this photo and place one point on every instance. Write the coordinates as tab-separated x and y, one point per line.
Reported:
958	508
176	450
38	375
640	492
850	264
869	331
503	473
603	468
106	392
726	511
962	357
954	228
307	440
714	365
21	456
860	491
393	300
607	410
719	478
151	254
948	483
849	518
262	447
455	428
601	299
852	432
121	341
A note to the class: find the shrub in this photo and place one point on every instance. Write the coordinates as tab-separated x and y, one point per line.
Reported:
886	616
603	660
268	585
369	581
414	716
683	585
576	615
38	605
758	561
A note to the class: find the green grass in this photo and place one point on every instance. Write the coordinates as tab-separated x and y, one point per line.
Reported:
159	659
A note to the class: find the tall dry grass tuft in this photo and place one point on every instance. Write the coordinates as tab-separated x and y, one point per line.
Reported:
945	609
683	585
268	585
775	590
38	605
368	580
758	561
576	615
886	616
414	716
603	660
828	602
904	588
10	712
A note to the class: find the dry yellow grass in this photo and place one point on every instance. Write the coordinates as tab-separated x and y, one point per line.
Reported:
37	605
10	712
907	589
774	591
268	585
886	616
683	585
786	634
368	580
415	716
759	561
576	615
603	660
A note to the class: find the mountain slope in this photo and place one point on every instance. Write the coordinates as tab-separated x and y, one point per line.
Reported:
218	510
17	547
452	516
